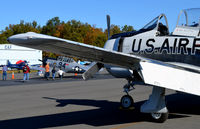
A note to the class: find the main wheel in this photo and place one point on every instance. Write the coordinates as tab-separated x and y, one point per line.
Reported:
126	101
159	117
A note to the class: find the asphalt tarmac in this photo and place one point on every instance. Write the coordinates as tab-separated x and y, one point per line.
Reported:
77	104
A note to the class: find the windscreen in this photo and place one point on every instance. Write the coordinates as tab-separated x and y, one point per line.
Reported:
152	24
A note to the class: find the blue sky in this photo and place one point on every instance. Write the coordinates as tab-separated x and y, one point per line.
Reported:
131	12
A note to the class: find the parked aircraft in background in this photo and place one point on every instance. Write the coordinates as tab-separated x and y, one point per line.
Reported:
150	56
68	65
19	64
84	62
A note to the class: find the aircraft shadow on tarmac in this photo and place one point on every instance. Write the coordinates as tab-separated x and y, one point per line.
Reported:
107	113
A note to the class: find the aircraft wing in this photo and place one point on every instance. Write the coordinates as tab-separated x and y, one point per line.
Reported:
153	72
37	68
71	48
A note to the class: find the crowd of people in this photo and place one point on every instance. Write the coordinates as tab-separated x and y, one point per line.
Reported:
26	72
53	71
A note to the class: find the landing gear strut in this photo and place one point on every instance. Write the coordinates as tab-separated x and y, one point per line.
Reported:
129	86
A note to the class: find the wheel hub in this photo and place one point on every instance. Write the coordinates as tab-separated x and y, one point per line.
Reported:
126	102
156	115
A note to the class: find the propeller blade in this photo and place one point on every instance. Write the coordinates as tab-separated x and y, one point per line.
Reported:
108	25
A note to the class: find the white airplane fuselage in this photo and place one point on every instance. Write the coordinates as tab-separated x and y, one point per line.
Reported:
179	50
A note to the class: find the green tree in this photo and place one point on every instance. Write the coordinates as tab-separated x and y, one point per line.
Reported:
127	28
51	26
22	27
71	30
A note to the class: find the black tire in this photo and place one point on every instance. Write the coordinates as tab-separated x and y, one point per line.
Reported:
126	101
159	117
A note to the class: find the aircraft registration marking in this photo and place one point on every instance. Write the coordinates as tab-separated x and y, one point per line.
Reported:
168	45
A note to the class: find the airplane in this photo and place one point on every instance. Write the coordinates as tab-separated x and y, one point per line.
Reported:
150	56
68	65
19	64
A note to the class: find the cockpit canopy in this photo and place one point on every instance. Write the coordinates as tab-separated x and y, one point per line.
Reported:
188	23
159	23
189	17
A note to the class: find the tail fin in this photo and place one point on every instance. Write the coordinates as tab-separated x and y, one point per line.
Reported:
8	63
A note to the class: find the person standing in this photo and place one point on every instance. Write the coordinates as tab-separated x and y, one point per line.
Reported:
4	70
26	71
60	73
47	71
53	73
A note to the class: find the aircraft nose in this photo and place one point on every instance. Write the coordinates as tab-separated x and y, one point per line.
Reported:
14	39
8	39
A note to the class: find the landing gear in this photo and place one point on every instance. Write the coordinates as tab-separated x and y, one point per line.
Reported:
127	102
159	117
129	86
156	105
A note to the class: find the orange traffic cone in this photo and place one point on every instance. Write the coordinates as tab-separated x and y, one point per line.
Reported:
13	76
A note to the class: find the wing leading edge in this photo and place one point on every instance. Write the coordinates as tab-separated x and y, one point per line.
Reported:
154	72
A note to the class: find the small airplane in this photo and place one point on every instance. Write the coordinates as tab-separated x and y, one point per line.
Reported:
150	56
19	64
68	65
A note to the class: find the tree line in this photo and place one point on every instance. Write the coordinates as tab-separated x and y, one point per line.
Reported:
72	30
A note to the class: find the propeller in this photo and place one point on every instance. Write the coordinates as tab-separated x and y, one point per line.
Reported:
95	66
44	61
108	25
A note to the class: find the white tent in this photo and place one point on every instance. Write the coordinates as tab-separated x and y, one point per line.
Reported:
14	53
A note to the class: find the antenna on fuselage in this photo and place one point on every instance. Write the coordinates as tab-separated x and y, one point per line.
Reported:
108	25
